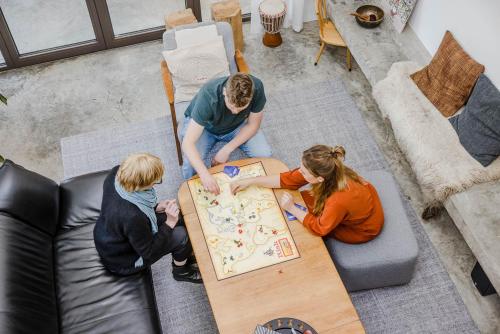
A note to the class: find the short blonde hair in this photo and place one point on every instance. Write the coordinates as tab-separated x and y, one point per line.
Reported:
139	171
239	89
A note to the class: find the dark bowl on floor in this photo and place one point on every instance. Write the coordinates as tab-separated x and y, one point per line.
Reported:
375	13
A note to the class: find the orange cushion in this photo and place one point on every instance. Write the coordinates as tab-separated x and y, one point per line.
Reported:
449	78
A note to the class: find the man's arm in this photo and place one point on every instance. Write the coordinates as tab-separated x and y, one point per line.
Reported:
246	132
193	133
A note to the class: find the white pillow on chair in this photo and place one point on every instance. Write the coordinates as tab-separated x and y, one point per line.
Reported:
195	36
191	67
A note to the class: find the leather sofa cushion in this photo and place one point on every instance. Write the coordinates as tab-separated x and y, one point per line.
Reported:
27	287
80	199
91	300
29	197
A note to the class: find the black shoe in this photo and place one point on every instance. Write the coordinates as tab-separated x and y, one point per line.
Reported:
192	263
186	274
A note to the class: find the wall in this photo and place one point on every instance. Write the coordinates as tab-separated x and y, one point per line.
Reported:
475	25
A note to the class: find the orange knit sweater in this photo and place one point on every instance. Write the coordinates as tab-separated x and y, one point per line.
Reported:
353	215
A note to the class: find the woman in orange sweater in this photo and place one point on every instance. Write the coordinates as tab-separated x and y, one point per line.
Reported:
340	203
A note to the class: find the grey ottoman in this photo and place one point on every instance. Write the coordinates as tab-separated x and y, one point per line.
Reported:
387	260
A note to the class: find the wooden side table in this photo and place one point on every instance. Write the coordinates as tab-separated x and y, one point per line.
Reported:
230	11
180	17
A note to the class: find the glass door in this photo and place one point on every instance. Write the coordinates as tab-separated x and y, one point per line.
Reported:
5	60
35	31
129	16
206	14
127	22
2	60
246	5
41	25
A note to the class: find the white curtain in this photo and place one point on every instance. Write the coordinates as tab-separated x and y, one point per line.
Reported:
297	12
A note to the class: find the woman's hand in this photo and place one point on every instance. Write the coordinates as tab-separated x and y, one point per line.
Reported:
239	185
209	183
162	205
172	212
287	202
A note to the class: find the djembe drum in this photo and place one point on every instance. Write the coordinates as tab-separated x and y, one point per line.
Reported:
272	15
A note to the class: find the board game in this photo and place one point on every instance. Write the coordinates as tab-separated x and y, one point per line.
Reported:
246	231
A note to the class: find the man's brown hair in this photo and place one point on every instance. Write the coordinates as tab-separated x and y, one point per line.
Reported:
239	89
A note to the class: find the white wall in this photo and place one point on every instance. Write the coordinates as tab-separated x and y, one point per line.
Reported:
475	24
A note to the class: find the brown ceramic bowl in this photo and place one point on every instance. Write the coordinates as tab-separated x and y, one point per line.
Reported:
375	14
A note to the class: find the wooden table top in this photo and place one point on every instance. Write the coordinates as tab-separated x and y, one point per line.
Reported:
308	288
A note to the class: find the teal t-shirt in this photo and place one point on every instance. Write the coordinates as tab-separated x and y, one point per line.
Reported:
209	109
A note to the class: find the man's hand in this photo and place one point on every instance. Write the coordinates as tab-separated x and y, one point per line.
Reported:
286	201
172	211
222	156
209	183
239	185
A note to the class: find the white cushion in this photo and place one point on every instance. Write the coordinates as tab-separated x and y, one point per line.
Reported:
192	67
195	36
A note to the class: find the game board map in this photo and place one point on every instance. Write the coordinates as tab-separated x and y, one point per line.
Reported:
246	231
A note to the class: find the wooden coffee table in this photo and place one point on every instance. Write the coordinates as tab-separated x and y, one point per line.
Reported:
307	288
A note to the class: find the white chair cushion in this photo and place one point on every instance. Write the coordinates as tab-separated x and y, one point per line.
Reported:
192	67
190	37
223	29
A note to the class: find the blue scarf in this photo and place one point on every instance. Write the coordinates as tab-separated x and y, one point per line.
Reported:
146	201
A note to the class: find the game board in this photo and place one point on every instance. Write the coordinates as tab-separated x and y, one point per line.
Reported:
246	231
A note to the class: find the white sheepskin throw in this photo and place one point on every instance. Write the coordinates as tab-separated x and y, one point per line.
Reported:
441	165
192	66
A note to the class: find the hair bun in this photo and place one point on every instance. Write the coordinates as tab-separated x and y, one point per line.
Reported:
338	152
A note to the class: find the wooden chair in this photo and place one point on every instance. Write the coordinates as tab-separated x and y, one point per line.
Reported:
169	90
328	33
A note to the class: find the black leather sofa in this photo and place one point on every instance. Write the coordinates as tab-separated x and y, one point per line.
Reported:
51	277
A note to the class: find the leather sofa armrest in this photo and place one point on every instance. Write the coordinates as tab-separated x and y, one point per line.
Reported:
167	81
28	196
81	199
240	62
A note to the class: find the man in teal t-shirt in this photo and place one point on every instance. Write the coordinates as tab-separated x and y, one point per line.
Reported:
227	109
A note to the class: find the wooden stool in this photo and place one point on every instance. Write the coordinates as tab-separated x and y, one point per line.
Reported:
179	18
230	11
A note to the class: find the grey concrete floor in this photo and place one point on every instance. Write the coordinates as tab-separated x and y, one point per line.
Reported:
105	89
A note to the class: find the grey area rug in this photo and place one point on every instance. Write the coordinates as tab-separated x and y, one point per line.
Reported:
294	120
